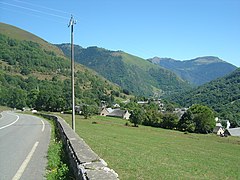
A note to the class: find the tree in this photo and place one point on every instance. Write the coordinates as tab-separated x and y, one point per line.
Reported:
32	98
204	118
17	98
137	116
186	122
198	118
170	121
25	71
86	111
153	118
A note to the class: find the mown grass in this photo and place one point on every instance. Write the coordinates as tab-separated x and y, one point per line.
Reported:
154	153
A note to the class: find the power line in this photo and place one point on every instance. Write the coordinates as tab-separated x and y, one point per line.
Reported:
34	10
51	9
34	15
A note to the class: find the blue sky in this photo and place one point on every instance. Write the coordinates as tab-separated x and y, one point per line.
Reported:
179	29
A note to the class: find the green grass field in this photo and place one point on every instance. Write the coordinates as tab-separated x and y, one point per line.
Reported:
154	153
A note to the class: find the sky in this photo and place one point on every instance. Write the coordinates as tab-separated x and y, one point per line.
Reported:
178	29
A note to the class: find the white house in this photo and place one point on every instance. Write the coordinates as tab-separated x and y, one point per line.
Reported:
219	130
115	113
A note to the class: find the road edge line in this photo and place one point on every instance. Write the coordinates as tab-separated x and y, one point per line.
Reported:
22	168
10	123
43	127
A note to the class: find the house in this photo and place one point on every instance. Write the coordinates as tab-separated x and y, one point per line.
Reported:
142	102
180	111
115	113
219	130
116	106
106	111
78	109
233	131
120	113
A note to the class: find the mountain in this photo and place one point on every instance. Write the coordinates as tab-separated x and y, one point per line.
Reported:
132	73
22	35
222	95
36	74
197	71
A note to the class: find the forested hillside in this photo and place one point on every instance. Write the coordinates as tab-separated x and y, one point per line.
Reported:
130	72
197	71
38	75
223	95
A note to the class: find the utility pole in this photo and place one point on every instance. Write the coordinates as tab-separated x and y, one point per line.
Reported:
71	23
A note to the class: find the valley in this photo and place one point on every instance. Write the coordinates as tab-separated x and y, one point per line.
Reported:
173	104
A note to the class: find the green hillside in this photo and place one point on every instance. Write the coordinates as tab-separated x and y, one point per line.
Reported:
22	35
223	95
34	75
130	72
197	71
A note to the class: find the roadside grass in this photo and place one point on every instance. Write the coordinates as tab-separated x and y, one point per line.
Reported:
155	153
4	108
57	167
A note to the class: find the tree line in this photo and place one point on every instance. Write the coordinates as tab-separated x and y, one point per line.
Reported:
197	119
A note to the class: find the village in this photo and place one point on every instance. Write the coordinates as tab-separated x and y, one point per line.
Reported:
222	127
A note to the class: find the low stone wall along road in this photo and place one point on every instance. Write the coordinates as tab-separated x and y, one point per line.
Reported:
24	141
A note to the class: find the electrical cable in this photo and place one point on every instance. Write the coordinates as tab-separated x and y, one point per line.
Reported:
51	9
34	10
35	15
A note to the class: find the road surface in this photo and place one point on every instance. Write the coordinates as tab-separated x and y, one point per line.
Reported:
24	141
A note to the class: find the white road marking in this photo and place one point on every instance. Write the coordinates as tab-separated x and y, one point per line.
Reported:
43	127
22	168
10	123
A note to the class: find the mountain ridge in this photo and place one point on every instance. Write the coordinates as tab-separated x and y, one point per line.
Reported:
128	71
199	70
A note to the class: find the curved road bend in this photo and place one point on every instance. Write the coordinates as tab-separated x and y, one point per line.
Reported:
24	141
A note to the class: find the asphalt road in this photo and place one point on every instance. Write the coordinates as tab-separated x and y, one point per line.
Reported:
24	141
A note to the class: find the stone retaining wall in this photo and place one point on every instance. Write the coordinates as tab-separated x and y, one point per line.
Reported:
86	164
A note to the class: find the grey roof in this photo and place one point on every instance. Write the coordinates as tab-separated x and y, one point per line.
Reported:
234	131
117	113
216	129
110	110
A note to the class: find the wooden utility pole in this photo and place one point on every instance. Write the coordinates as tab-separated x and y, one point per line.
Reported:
71	23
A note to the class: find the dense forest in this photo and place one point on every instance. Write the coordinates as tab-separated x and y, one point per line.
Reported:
31	76
222	95
130	72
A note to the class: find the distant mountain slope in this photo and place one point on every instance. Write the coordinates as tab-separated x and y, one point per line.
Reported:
223	95
130	72
197	71
36	74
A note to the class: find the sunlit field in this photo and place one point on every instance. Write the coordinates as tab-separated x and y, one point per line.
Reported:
155	153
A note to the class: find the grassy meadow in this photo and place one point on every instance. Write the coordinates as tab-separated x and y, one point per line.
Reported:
155	153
